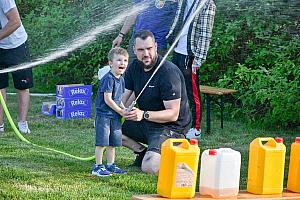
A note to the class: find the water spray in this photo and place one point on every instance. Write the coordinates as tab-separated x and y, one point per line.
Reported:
188	22
86	38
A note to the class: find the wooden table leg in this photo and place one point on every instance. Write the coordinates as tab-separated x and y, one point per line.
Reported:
208	98
222	110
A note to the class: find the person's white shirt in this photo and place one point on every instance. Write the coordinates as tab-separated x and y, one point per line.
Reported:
18	37
182	42
102	71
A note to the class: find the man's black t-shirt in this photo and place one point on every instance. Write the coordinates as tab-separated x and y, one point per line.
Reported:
167	84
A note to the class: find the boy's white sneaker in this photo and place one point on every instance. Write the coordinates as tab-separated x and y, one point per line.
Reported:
193	133
2	128
23	127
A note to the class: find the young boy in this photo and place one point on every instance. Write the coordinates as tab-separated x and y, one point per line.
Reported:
109	110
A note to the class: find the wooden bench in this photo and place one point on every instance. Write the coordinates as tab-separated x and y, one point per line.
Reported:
210	92
286	195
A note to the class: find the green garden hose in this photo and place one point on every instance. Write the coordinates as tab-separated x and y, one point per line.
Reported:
21	137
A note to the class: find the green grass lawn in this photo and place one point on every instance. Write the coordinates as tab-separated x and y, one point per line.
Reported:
28	172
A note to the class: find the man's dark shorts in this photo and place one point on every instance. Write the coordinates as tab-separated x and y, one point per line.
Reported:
108	132
147	133
9	57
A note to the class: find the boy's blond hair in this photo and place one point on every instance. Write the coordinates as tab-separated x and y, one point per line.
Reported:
116	51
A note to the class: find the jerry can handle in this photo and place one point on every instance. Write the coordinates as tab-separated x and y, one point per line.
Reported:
184	142
270	141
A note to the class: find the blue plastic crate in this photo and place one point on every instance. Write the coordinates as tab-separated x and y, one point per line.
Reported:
49	108
74	103
74	91
73	113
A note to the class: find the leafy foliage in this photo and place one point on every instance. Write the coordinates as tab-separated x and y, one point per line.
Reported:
255	49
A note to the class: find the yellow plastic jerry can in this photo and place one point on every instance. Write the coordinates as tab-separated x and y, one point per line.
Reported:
266	166
294	168
178	168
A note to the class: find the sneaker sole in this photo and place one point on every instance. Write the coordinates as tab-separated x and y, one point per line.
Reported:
27	132
193	137
94	173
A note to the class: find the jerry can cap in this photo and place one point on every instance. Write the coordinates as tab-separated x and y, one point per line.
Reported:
212	152
297	140
193	142
279	140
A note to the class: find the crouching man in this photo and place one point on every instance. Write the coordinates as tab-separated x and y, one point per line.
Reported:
163	110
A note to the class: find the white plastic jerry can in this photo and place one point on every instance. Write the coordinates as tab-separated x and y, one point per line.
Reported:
220	172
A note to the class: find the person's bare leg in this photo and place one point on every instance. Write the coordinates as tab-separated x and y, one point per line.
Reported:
131	144
151	162
111	166
99	155
23	104
110	154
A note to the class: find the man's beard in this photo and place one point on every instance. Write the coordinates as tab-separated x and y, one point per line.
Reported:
152	64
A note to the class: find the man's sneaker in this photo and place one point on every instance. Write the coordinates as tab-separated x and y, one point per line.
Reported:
100	170
2	128
23	127
139	158
193	133
115	169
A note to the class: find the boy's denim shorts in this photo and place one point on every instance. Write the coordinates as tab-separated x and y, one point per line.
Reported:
148	133
108	132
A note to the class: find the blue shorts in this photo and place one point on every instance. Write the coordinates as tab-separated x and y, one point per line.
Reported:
108	132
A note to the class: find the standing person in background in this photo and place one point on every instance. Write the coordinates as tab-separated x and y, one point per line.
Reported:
13	51
191	51
156	18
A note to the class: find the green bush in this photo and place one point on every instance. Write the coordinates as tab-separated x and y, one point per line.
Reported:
255	50
269	93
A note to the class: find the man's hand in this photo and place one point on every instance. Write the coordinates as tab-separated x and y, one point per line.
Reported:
117	41
135	115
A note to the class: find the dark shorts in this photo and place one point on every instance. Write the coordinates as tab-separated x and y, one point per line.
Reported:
23	79
108	132
149	134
